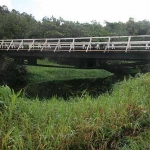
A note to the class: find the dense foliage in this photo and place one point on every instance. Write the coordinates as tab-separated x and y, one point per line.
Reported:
14	75
119	120
112	121
14	24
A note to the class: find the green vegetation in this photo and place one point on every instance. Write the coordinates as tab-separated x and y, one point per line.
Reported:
13	75
50	79
119	120
39	74
15	25
112	121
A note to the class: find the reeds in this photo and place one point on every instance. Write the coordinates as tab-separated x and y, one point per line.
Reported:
120	120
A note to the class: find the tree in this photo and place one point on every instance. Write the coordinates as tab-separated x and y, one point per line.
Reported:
50	28
131	27
115	28
143	27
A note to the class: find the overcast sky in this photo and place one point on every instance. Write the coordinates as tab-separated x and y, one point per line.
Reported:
83	10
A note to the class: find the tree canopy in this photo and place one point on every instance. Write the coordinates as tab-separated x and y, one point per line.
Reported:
14	25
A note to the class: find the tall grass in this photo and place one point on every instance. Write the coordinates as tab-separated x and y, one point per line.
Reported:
120	120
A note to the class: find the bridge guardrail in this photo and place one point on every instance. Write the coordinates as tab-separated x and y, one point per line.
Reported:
87	44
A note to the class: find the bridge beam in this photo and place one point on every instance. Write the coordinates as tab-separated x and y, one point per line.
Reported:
79	55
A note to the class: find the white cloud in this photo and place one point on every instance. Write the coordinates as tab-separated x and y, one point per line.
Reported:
87	10
8	3
84	10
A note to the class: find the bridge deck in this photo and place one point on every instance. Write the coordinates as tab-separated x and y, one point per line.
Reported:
76	47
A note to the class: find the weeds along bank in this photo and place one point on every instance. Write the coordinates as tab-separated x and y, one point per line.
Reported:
120	120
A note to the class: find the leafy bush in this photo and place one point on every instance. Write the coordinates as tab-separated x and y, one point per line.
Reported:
14	75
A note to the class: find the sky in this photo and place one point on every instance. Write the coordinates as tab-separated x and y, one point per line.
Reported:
83	10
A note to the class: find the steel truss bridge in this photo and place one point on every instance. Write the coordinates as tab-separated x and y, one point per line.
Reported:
107	47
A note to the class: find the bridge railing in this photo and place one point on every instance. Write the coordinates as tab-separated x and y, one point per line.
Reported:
87	44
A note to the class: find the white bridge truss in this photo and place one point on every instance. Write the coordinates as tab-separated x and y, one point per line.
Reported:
87	44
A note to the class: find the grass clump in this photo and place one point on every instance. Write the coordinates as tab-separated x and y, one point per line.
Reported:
112	121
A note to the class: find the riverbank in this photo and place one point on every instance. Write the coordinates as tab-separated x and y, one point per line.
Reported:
119	120
49	79
49	71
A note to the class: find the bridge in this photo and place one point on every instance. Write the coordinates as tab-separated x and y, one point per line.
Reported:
92	48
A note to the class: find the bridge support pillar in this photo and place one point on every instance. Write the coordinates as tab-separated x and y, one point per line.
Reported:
2	62
86	63
80	63
102	64
91	63
32	61
19	61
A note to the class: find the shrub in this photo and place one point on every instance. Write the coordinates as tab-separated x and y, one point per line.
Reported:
14	76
